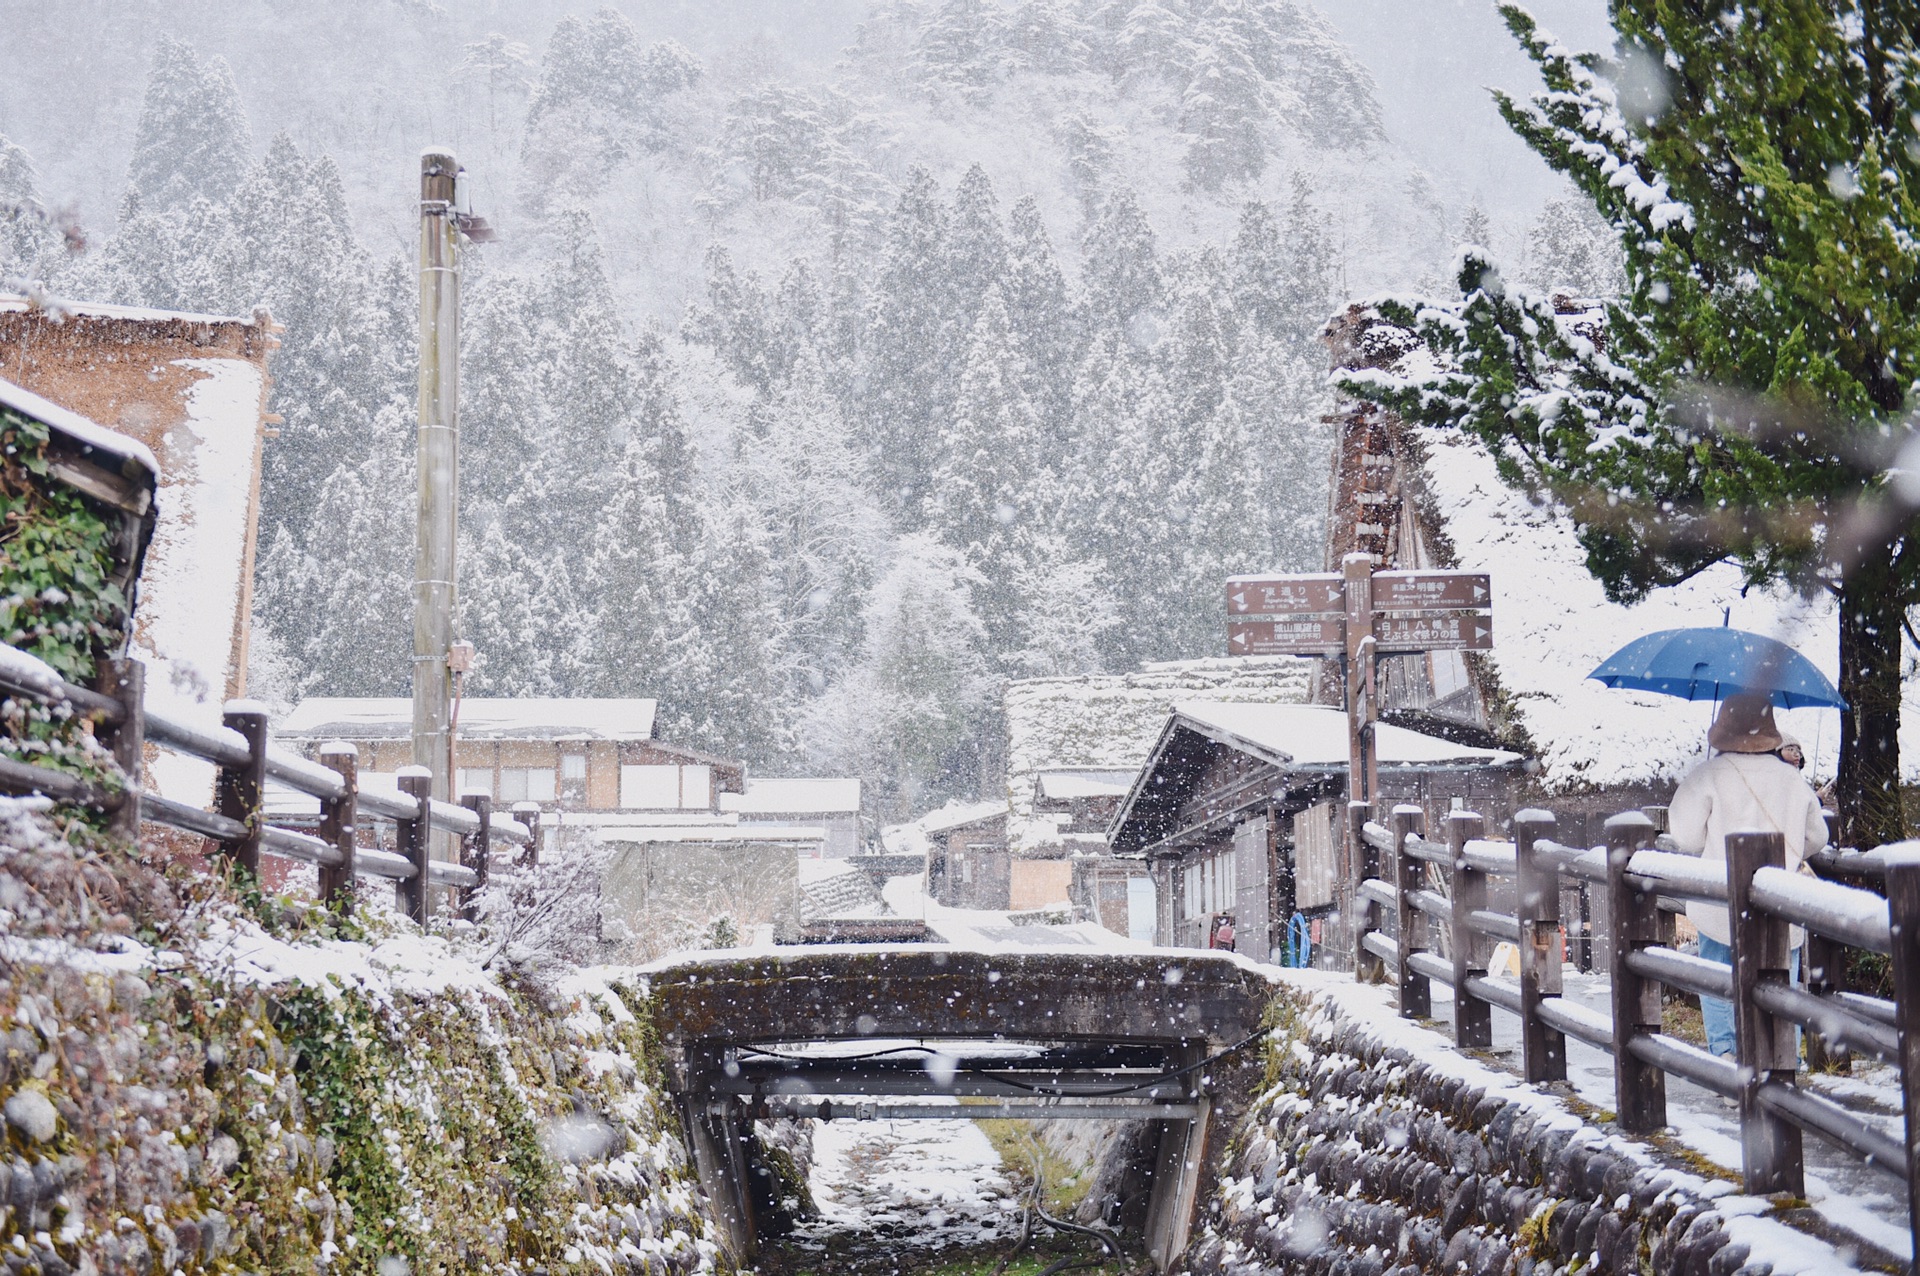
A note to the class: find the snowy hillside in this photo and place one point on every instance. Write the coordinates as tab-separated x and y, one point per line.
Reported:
814	397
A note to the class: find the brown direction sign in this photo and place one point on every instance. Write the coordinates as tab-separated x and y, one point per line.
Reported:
1315	593
1441	631
1431	591
1307	636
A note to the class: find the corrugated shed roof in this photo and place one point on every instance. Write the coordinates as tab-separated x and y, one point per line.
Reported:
796	796
481	718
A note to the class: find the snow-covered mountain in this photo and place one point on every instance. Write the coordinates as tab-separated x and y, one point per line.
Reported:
814	396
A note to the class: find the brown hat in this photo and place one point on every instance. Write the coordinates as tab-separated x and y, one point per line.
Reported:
1745	725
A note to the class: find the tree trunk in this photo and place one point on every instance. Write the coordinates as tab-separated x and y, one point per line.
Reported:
1868	790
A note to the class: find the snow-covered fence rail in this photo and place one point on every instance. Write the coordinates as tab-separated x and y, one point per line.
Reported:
1644	888
238	824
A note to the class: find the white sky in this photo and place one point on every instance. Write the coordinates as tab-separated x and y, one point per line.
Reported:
1434	61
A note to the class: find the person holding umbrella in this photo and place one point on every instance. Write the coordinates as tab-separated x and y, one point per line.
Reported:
1746	786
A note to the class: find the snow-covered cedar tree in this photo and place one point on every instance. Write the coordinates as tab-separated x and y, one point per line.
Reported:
908	380
1121	273
30	241
1571	250
904	717
599	100
1758	166
193	140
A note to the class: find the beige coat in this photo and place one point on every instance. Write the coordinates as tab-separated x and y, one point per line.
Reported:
1743	793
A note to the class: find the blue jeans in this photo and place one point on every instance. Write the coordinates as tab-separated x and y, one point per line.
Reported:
1717	1015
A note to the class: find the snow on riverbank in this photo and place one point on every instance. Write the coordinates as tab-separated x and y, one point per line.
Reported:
939	1183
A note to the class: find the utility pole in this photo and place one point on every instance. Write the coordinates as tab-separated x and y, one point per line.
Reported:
439	469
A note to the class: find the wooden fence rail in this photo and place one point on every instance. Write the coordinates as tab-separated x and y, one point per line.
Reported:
1644	888
246	761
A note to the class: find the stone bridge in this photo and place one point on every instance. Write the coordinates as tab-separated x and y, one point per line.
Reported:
944	1032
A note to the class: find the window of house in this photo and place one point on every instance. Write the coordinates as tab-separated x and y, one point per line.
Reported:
666	788
696	787
526	784
476	779
573	766
650	788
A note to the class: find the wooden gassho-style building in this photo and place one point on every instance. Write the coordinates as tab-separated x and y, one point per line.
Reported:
1237	811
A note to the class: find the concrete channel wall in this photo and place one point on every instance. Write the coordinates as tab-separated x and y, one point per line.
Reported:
1363	1160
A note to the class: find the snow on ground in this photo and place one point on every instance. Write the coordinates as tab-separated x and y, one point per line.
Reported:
939	1182
985	928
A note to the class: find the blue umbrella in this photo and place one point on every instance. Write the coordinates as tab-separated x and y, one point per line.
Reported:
1712	664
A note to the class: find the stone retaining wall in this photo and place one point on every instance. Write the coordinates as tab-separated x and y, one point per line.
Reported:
1361	1160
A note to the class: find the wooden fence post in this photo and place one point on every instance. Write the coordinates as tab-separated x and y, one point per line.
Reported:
1472	1018
239	789
1823	970
1764	1046
125	680
528	813
1640	1089
1537	896
473	853
1409	875
339	824
1903	910
414	840
1367	968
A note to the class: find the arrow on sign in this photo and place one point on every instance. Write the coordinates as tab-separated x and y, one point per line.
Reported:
1430	591
1316	593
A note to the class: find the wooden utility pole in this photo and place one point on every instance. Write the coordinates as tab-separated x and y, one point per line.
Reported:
439	469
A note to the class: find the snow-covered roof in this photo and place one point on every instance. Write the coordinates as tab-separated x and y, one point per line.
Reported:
481	718
646	831
1313	737
914	838
184	393
1065	786
80	429
1553	624
795	797
1109	722
62	308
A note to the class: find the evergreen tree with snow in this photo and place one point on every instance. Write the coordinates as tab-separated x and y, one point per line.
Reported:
193	141
1222	113
29	242
1045	328
1570	249
977	249
1120	273
1759	174
988	495
907	386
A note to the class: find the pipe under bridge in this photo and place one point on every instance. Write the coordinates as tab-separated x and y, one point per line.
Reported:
923	1031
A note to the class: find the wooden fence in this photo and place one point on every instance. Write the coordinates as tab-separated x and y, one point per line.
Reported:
1644	887
238	824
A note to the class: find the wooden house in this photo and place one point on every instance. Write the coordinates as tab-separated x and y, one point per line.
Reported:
1074	745
1237	811
566	754
192	389
965	844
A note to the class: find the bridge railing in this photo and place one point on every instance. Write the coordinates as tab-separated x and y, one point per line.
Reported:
239	824
1644	889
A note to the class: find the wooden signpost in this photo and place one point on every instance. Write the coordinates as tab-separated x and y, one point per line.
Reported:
1356	616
